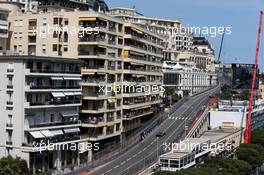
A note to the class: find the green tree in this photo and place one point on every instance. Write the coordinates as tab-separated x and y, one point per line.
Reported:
258	137
251	153
9	166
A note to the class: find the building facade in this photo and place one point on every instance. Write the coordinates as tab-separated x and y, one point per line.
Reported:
180	47
116	55
186	79
40	101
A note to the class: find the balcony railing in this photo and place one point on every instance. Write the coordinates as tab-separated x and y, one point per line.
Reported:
93	121
52	124
63	102
53	87
47	142
55	71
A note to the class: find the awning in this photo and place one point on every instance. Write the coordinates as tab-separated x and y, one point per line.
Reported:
136	30
56	78
147	106
77	93
87	19
103	19
57	132
69	93
100	46
138	64
37	134
69	114
57	94
73	78
136	53
71	130
138	76
47	133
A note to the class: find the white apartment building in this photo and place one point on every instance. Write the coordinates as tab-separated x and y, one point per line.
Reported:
186	79
40	101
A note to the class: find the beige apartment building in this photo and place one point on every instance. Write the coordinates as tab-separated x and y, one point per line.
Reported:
122	66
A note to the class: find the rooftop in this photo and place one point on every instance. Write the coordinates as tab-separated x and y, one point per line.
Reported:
218	134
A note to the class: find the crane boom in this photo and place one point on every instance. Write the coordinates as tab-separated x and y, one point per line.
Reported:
248	131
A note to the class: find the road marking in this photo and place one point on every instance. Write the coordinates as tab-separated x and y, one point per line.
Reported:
134	155
123	162
116	166
109	170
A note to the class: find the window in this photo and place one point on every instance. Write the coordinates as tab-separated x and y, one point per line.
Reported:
174	163
51	118
15	48
44	48
55	21
55	34
10	118
9	96
10	80
54	47
65	48
44	21
66	21
20	35
164	162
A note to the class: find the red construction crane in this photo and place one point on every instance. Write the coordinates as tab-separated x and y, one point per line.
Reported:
248	131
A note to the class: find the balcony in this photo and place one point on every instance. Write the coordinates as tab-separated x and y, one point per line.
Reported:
95	110
96	38
137	114
47	104
93	122
58	140
53	87
55	102
55	71
9	126
53	125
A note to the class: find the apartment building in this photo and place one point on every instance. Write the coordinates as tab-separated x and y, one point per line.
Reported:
19	5
191	58
40	101
116	55
176	38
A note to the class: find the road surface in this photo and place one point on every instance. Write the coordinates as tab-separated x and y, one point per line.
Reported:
132	161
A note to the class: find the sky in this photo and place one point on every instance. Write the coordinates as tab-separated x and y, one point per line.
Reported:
241	15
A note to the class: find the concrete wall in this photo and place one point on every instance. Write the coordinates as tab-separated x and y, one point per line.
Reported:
218	117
